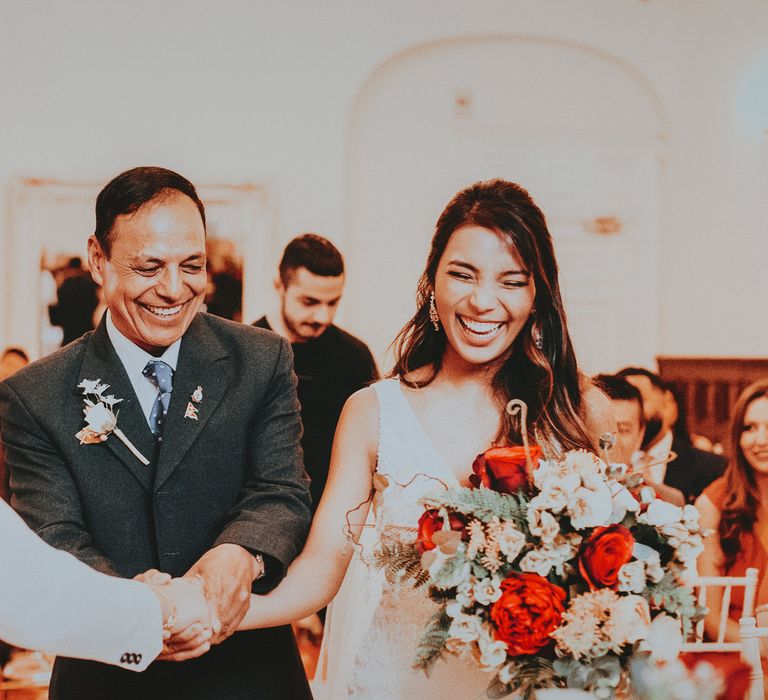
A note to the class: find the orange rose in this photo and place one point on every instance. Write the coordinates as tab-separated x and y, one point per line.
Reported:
529	610
504	469
430	523
602	555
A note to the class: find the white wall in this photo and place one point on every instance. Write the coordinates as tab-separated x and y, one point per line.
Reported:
263	92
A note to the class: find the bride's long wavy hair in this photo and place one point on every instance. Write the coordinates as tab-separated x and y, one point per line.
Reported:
742	497
547	379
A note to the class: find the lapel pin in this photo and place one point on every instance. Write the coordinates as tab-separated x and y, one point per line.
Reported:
191	411
197	394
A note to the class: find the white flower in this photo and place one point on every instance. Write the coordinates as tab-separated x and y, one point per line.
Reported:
665	638
589	508
583	463
545	470
487	591
110	400
465	596
543	524
554	492
100	419
661	513
511	541
465	628
631	619
632	577
89	385
691	518
492	652
654	571
540	561
623	501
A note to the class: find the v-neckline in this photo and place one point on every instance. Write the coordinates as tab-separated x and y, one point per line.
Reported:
428	441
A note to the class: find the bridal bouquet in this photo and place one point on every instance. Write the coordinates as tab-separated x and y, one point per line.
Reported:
550	573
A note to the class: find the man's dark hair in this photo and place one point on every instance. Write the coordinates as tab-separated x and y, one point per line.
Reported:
15	350
617	388
131	190
315	253
655	379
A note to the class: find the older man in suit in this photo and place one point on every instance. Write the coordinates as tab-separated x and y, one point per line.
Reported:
188	463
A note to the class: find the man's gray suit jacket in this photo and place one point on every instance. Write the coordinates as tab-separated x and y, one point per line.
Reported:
232	475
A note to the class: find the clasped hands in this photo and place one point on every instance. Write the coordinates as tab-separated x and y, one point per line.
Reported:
210	600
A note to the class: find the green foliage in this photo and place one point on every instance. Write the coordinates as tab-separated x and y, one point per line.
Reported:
483	504
668	594
529	674
401	561
432	643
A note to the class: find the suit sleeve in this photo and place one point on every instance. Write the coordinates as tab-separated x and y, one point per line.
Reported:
43	491
51	602
273	515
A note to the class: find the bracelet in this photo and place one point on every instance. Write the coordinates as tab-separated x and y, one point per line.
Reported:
260	563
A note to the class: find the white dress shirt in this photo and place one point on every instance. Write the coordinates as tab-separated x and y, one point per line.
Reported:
135	359
657	456
52	602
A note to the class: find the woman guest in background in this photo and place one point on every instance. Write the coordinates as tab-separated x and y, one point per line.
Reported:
735	507
489	326
54	603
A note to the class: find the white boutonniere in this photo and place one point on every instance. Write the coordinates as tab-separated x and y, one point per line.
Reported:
101	418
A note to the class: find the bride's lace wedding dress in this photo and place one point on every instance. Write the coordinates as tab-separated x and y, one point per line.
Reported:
373	627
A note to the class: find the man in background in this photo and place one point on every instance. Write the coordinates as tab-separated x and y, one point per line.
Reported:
12	360
330	364
77	299
690	470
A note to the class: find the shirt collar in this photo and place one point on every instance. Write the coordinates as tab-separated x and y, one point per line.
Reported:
663	447
135	359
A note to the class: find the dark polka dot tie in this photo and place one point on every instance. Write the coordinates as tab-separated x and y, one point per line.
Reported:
161	375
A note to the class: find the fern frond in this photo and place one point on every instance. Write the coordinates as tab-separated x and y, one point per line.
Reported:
432	643
483	504
401	562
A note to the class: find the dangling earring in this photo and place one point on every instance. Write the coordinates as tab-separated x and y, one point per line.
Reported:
538	340
433	312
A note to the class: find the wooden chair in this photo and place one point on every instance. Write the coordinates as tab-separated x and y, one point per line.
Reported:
748	645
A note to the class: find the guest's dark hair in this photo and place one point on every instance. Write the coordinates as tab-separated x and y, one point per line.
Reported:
15	350
655	379
131	190
315	253
547	379
742	498
617	388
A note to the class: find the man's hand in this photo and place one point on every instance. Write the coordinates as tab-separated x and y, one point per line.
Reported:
191	631
153	577
227	572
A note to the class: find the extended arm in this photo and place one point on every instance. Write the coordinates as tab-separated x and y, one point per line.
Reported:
54	603
316	574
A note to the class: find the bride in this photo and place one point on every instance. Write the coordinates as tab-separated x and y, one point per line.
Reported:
490	326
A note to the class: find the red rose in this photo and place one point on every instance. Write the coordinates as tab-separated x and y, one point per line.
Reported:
602	555
529	610
431	522
504	469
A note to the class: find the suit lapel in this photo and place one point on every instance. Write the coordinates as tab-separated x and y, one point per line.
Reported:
100	361
202	363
